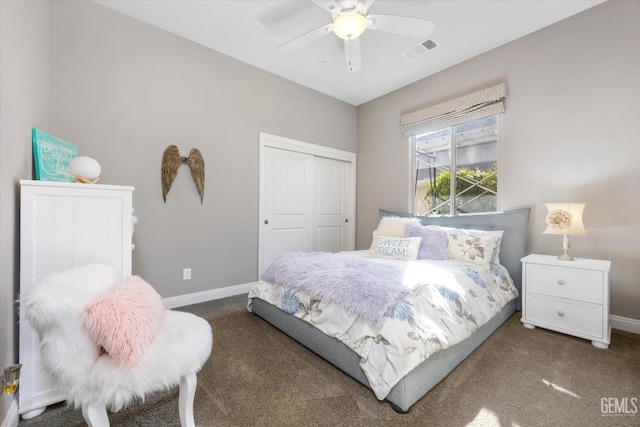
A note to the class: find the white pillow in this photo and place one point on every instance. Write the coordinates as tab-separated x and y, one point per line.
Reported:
397	247
393	226
479	246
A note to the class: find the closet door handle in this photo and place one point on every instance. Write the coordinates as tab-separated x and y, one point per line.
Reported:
560	313
560	282
266	221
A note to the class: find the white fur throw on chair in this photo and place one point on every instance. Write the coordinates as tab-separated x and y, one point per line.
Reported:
87	374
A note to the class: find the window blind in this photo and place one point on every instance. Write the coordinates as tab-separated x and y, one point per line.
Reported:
473	106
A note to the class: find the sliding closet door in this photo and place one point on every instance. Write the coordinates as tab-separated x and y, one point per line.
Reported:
288	203
307	199
332	226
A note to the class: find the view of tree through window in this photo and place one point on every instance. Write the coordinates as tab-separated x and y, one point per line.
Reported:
469	152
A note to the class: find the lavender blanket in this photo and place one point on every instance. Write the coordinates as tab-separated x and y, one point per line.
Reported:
364	286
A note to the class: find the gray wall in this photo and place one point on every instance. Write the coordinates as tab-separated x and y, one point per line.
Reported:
124	91
25	101
570	134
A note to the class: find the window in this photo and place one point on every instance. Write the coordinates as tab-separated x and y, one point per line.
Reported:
455	147
457	166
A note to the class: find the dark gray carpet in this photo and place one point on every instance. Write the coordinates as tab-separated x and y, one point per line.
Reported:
257	376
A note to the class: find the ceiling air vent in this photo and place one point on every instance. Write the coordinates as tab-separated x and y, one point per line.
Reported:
419	50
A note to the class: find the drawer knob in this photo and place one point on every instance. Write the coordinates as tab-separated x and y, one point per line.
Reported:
560	313
560	282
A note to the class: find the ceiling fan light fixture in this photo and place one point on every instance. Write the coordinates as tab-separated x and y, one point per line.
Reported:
349	26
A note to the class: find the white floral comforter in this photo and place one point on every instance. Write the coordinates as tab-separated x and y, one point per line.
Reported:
449	301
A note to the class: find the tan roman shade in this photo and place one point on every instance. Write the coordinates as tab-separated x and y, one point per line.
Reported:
476	105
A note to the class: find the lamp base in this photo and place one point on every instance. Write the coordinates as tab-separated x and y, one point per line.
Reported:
86	180
565	249
566	257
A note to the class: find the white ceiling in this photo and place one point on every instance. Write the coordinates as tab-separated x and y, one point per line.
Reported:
250	31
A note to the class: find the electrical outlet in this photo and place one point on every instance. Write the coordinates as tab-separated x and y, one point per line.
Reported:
186	274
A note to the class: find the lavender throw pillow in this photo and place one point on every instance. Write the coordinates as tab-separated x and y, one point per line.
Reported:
434	242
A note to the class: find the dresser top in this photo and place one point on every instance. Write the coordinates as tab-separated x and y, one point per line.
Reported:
27	182
583	263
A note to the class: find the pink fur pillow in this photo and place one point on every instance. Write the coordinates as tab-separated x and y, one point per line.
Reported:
124	321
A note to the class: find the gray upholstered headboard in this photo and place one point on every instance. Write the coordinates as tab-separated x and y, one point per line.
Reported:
515	224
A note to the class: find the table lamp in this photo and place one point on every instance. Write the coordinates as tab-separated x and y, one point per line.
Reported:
565	219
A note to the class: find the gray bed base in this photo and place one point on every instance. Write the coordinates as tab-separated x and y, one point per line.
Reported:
430	372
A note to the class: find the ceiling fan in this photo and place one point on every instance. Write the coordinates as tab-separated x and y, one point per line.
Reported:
350	18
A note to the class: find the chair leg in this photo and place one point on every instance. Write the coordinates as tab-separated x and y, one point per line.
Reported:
95	415
187	394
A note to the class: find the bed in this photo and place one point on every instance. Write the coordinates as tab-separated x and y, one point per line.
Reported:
425	375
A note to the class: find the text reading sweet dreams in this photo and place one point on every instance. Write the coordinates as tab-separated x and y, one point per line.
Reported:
394	247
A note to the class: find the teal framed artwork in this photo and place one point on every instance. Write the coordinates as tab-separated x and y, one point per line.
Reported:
51	156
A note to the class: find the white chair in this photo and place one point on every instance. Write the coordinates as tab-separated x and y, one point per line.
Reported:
89	377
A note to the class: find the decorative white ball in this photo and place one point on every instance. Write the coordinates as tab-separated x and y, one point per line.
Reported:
85	167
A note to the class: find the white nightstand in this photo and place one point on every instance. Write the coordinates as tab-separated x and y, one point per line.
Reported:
571	297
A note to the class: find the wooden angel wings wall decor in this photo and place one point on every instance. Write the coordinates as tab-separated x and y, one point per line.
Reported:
171	161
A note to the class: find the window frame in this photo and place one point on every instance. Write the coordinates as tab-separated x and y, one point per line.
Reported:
452	148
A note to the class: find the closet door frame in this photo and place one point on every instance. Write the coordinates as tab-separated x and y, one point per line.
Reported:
274	141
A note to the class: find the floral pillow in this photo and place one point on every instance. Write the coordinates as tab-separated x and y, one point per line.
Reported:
434	242
478	246
397	247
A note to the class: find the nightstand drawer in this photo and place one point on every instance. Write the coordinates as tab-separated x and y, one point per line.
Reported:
579	284
565	316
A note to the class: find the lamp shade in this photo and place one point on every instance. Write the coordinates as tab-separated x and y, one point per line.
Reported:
565	219
350	25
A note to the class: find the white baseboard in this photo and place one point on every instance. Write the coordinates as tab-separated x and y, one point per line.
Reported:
12	417
624	323
204	296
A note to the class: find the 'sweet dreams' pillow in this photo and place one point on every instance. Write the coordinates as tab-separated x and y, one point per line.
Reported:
397	247
392	226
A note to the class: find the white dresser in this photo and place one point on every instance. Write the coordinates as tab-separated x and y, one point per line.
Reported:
571	297
65	225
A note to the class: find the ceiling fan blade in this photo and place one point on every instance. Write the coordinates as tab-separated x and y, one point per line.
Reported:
352	54
402	25
328	5
305	38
